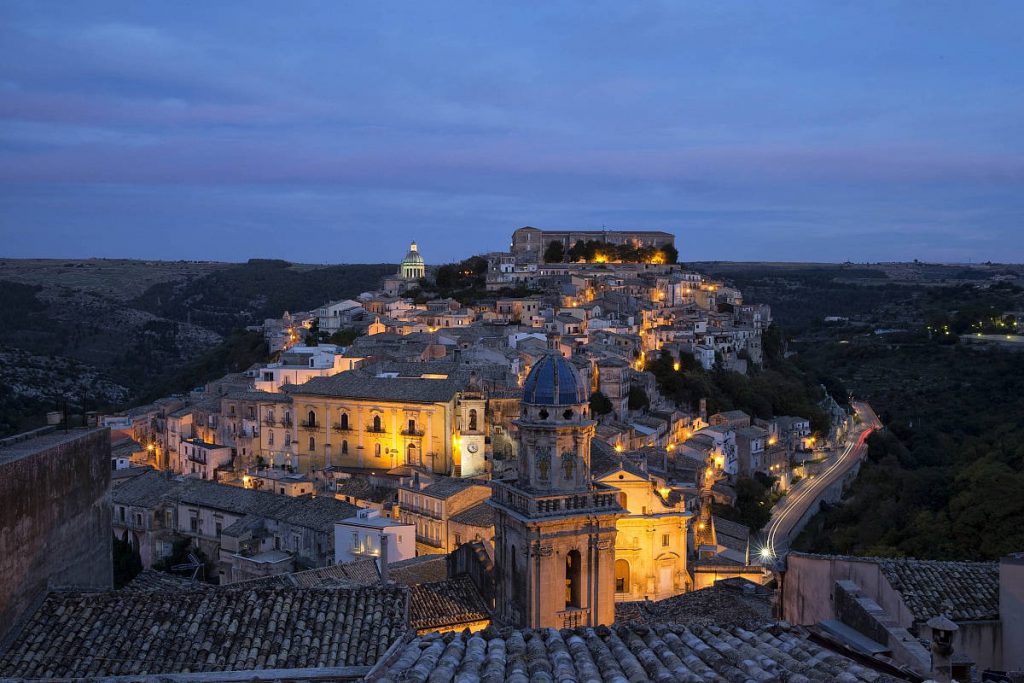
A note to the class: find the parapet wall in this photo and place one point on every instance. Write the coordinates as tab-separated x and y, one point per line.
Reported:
55	519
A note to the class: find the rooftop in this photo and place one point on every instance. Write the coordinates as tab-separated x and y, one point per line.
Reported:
20	445
152	488
481	515
448	603
130	634
963	591
417	570
624	653
365	385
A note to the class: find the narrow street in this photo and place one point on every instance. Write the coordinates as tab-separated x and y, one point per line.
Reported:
788	512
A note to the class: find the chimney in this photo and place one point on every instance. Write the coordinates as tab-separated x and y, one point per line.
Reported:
383	558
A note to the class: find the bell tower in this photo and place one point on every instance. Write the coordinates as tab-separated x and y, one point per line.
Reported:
554	528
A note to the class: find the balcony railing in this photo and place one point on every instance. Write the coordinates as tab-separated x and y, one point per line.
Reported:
554	505
375	430
309	426
412	432
269	421
287	422
338	427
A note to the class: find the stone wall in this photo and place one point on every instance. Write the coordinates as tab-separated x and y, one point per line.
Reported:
55	518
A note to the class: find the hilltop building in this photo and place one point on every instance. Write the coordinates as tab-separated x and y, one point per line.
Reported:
529	243
554	528
411	269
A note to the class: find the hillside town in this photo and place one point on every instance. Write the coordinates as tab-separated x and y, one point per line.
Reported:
425	484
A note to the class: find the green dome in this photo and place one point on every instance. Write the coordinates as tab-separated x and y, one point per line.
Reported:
413	258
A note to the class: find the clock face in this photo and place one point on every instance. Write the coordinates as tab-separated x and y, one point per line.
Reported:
472	448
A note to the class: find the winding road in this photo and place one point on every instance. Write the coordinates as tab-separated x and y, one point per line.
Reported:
788	512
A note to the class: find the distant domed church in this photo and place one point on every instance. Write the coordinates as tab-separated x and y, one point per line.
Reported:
413	267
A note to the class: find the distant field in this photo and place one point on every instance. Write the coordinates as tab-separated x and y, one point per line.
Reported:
117	279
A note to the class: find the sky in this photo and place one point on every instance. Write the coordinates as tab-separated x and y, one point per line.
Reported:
337	132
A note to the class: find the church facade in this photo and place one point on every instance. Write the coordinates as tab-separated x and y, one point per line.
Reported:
554	528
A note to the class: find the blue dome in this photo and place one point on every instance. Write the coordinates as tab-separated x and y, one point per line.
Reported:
553	381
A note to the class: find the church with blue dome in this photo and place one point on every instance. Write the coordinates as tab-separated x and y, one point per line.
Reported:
554	527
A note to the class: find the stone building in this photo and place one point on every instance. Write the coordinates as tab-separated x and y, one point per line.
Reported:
529	243
54	516
430	505
554	528
418	414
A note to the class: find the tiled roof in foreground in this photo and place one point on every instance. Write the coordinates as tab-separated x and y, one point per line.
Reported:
621	654
80	635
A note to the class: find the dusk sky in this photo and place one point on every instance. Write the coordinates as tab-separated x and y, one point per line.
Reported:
337	131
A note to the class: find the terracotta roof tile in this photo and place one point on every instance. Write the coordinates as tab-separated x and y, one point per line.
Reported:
448	603
89	635
621	654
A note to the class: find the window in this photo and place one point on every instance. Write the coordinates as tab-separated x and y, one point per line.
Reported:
412	426
344	420
344	446
472	419
312	444
120	511
376	449
231	409
217	527
270	437
376	423
458	540
664	540
410	454
311	418
573	563
621	576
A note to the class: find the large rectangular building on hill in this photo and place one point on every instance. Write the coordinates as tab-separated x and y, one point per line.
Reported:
529	243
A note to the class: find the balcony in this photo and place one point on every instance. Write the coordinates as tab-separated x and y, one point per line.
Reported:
309	426
287	422
338	427
270	422
412	432
554	505
376	430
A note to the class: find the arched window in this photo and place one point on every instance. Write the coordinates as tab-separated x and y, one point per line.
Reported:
472	419
573	564
270	437
410	454
312	444
376	449
344	420
621	576
311	419
344	446
376	423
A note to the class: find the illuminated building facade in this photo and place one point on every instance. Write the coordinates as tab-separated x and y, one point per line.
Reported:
554	528
381	420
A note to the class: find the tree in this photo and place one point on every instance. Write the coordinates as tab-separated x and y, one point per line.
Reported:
345	337
638	399
555	252
599	403
670	252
